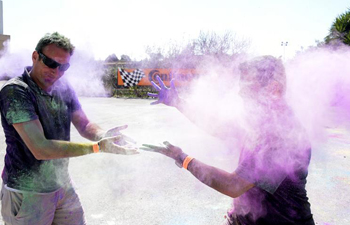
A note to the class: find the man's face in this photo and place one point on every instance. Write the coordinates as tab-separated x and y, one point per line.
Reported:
43	75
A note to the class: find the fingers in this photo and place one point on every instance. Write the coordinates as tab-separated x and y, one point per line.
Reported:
169	150
115	139
123	147
172	84
128	139
132	150
124	150
120	128
162	86
153	147
125	141
167	144
155	86
147	149
152	95
161	82
156	102
115	131
172	149
117	145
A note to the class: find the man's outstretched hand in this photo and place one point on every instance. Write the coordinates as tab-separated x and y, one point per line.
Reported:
116	132
165	95
117	145
113	141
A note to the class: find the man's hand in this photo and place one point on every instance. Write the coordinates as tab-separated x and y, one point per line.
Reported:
112	145
169	150
123	140
165	95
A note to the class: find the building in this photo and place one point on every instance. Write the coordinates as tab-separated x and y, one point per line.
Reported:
3	37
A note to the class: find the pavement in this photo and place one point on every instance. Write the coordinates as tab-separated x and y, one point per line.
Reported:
149	189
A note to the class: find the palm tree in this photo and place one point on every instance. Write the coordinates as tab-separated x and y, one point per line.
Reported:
340	30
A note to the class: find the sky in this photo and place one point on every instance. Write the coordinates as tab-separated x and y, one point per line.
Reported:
106	27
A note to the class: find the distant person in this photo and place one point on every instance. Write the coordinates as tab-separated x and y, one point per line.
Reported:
268	185
37	110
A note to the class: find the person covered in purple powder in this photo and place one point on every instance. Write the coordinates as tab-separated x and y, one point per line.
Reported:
268	185
37	109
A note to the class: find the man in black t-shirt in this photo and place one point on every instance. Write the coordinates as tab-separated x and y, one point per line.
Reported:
37	110
268	185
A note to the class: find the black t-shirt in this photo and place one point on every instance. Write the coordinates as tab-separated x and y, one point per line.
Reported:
22	100
275	160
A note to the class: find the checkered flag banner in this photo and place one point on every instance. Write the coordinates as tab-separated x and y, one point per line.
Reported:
131	78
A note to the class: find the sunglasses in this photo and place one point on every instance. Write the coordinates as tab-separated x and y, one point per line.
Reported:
52	63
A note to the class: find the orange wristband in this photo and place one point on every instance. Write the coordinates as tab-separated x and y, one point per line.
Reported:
187	161
96	148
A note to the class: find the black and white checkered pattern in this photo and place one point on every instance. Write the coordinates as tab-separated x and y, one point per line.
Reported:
131	78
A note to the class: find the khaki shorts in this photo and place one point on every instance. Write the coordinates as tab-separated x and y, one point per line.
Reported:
58	207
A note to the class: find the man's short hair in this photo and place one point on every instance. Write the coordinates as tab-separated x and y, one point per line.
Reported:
266	69
57	39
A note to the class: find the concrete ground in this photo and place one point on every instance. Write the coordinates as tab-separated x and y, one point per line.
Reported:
149	189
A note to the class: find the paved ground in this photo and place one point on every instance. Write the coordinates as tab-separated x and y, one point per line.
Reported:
149	189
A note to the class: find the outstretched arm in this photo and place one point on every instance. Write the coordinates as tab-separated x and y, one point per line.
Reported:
85	127
226	183
93	132
32	134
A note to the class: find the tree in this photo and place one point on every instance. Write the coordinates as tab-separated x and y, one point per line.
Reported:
212	44
340	30
112	58
125	58
222	47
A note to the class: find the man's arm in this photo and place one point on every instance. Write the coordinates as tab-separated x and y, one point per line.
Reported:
33	136
229	184
86	128
93	132
42	148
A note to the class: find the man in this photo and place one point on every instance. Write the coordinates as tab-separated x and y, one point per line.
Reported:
36	112
268	185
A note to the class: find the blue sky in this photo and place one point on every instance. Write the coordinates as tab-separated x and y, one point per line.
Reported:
105	27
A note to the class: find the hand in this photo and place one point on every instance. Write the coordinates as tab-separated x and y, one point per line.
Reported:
167	96
169	150
116	132
111	145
